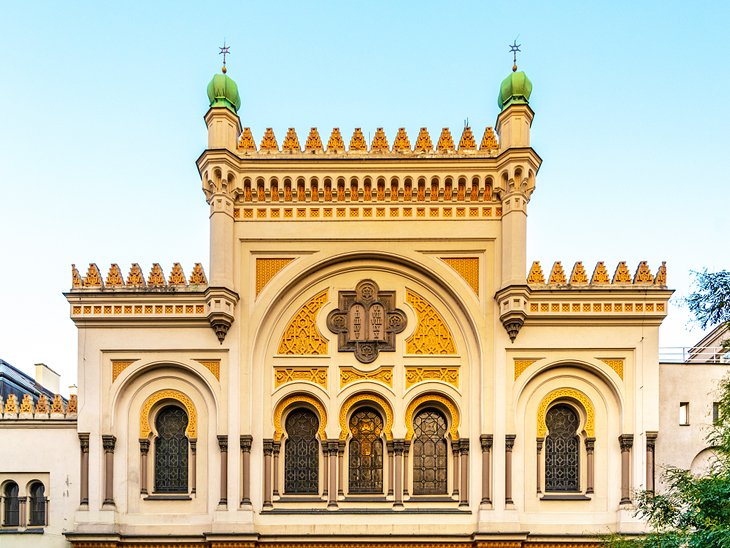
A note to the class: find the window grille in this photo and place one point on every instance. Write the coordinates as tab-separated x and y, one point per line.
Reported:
301	453
11	514
37	504
562	450
430	455
171	451
366	452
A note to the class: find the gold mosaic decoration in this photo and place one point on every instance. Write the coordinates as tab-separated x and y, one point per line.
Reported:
93	277
118	366
177	276
381	374
358	141
114	277
661	275
380	142
557	275
26	406
42	405
57	405
296	399
198	275
401	143
617	364
489	140
467	141
266	269
144	418
156	277
449	375
268	141
521	364
423	142
622	274
135	278
335	144
433	398
73	404
356	399
432	336
11	404
314	142
246	142
302	337
600	275
317	375
291	141
467	267
643	274
75	277
569	393
535	276
578	276
446	142
214	366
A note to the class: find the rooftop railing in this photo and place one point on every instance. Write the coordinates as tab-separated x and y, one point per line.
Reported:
694	354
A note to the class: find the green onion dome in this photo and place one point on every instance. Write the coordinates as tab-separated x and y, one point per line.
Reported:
515	90
223	92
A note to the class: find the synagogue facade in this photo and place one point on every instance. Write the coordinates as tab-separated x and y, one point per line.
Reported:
368	358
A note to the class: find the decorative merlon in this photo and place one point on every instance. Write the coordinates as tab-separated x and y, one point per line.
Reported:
156	280
10	409
600	279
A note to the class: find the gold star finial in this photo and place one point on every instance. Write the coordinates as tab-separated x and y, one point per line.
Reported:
225	50
514	48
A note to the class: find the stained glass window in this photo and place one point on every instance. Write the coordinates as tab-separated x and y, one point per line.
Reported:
12	506
171	451
366	452
562	450
37	504
430	454
301	453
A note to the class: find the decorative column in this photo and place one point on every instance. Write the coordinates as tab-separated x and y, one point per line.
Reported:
246	441
538	477
464	451
325	470
509	443
223	446
455	451
341	468
84	487
486	442
590	445
626	441
108	443
193	465
277	449
144	449
406	466
268	449
650	446
389	446
22	515
398	448
332	450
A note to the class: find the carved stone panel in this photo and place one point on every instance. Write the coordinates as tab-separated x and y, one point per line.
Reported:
366	321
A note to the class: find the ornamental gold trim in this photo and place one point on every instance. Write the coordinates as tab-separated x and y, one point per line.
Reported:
301	336
120	365
214	366
449	375
267	268
356	399
317	375
144	418
521	364
566	393
433	398
617	364
297	399
381	374
432	335
467	268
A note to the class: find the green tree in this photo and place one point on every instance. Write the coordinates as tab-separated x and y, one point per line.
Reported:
693	511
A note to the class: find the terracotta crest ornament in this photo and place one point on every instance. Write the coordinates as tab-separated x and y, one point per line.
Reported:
366	321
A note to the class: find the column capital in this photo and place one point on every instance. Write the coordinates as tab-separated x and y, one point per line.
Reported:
398	447
108	442
84	442
590	444
626	441
341	447
332	446
651	440
223	443
464	446
144	446
268	447
246	441
276	448
509	441
486	441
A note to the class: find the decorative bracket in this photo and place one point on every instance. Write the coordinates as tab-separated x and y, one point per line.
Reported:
512	305
220	303
366	321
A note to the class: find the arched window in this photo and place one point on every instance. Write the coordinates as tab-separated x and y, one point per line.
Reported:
301	453
366	452
562	450
11	513
37	504
430	453
171	451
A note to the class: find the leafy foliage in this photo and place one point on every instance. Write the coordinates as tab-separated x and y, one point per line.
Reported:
710	303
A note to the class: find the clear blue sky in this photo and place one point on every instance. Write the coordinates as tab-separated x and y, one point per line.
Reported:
101	120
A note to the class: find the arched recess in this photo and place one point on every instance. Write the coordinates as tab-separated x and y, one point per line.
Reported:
364	398
144	419
298	399
439	400
566	394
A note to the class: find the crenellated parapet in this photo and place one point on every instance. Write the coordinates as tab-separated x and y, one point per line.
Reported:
579	279
136	280
55	410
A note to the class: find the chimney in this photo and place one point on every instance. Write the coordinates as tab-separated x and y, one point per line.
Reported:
47	377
